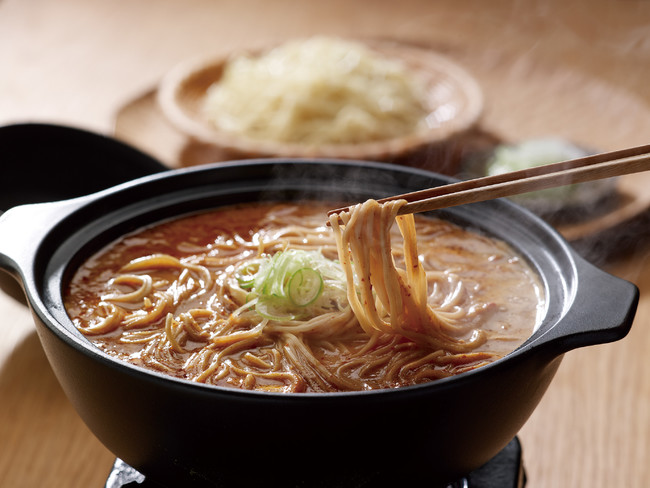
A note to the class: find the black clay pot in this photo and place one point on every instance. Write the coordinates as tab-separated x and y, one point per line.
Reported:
175	431
45	162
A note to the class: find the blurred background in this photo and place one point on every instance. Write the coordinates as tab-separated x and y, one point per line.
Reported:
109	53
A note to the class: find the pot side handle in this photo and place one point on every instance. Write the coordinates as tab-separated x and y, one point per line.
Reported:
602	311
23	228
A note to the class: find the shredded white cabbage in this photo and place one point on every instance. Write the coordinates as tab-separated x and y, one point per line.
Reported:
315	91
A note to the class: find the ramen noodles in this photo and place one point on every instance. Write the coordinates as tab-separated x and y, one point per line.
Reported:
268	297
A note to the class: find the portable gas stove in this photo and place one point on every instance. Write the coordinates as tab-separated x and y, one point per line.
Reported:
505	470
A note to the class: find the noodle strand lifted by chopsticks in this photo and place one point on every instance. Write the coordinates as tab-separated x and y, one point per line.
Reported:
390	300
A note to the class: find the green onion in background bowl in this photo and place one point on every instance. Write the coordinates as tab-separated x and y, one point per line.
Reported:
540	151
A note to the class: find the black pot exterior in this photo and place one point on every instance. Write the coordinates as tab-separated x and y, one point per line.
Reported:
35	155
172	430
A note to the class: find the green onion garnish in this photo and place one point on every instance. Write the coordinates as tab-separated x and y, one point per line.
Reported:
305	286
286	284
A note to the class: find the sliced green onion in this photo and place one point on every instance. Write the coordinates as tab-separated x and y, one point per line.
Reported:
305	286
273	309
285	284
246	273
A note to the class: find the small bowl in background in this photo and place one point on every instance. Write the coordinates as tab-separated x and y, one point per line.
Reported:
453	97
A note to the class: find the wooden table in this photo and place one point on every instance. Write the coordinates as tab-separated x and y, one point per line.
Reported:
93	65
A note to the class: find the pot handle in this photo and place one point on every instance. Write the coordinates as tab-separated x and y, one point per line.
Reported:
23	228
602	311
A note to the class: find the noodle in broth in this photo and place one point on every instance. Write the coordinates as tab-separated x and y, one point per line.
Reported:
199	298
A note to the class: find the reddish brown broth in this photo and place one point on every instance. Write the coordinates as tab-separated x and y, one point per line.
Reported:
501	295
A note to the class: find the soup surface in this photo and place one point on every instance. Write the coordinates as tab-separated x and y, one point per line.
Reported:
254	297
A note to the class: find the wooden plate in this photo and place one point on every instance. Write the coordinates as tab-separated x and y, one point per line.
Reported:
454	100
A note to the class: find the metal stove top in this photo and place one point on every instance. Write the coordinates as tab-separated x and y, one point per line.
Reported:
505	470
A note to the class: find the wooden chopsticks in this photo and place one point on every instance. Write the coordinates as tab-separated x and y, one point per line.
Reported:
588	168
